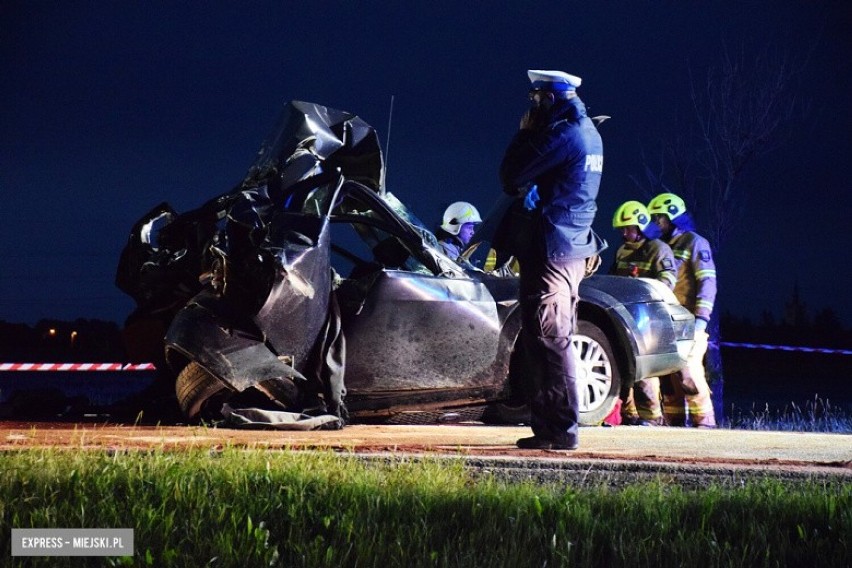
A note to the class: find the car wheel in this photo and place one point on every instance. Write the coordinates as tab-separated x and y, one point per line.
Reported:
598	380
195	385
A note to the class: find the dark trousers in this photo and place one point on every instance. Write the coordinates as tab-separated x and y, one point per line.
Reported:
548	296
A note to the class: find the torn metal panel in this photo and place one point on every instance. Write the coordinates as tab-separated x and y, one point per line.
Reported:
310	138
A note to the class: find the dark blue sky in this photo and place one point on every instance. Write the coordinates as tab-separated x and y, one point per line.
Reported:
111	107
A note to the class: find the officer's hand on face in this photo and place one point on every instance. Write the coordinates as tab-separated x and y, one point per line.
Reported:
527	120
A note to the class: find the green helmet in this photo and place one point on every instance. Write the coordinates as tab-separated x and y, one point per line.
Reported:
667	204
631	213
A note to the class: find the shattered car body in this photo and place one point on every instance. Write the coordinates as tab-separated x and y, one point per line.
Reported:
311	288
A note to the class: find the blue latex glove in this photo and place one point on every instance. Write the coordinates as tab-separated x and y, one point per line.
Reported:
531	198
700	324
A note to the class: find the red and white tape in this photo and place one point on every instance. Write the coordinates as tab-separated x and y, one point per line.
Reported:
77	367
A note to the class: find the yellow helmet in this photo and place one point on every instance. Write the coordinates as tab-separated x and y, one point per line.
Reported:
631	213
667	204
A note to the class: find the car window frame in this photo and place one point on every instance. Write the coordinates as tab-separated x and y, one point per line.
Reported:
389	221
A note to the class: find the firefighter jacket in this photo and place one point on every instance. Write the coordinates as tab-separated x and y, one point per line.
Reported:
452	247
696	273
562	154
648	258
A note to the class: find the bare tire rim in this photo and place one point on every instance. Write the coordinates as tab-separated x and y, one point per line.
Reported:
594	372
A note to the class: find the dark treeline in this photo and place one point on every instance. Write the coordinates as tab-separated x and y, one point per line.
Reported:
54	341
824	330
793	363
795	327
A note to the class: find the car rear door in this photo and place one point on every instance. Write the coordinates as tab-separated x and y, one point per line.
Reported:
410	331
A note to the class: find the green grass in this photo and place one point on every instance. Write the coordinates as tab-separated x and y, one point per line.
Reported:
280	508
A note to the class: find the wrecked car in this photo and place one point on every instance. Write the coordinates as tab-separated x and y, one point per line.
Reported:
311	288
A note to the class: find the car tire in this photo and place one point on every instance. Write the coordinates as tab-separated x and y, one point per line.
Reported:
195	386
599	378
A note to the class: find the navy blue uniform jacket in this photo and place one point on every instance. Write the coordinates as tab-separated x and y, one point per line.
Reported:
563	156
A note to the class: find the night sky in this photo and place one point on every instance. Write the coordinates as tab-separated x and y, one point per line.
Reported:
109	108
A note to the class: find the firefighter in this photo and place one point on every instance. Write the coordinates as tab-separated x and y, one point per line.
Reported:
686	394
459	223
642	255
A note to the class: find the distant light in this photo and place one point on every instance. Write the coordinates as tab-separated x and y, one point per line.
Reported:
52	332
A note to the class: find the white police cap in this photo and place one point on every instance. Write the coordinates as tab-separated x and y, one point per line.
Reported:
553	80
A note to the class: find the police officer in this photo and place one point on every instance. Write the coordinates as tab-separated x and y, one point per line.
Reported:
458	225
558	149
687	392
642	255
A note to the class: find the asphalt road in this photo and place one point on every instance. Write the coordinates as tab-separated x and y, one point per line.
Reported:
611	455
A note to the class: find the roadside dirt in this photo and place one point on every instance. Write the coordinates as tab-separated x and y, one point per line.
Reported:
623	450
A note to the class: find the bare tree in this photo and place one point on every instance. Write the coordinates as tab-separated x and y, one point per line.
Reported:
738	114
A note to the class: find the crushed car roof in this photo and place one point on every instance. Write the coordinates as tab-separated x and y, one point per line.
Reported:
308	139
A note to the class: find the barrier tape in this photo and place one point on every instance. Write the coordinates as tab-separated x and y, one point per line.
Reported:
76	367
786	348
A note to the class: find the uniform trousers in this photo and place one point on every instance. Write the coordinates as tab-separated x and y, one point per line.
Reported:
549	293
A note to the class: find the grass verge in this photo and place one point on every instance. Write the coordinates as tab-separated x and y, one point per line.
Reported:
815	415
263	508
